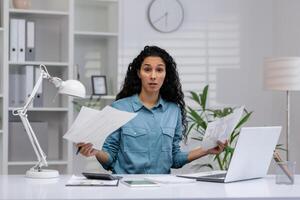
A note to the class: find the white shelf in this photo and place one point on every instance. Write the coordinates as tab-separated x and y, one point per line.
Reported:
104	1
1	29
94	34
38	12
63	64
52	162
1	131
1	95
44	109
106	97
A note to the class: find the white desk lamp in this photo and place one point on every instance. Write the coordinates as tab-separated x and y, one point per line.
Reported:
283	74
69	87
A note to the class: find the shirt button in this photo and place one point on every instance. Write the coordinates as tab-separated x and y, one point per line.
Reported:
134	133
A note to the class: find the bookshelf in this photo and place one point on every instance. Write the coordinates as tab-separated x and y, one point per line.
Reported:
70	36
96	44
51	45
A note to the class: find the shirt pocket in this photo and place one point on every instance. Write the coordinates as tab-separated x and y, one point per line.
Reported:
135	139
167	138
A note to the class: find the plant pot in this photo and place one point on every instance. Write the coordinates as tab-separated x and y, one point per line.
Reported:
22	4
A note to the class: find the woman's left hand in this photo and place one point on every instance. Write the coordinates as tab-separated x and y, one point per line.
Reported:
218	149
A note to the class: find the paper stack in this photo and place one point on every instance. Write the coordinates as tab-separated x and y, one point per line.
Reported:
93	126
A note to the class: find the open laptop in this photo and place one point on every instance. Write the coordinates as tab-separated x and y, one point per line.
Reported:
251	158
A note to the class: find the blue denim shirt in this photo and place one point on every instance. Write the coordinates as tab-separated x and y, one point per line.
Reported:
149	143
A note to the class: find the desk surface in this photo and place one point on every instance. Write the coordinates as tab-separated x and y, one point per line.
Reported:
19	187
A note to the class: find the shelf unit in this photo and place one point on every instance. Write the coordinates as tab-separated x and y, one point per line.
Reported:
73	38
96	40
96	44
52	41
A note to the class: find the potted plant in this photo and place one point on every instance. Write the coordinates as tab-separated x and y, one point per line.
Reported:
199	118
91	102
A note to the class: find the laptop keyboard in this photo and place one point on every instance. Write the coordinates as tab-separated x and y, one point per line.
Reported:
215	176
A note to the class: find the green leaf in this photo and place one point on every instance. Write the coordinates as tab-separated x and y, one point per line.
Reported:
196	118
199	139
282	149
217	157
199	166
194	115
225	157
195	97
232	137
243	120
190	128
207	165
204	97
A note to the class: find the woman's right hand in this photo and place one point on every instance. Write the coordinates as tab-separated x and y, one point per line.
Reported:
86	149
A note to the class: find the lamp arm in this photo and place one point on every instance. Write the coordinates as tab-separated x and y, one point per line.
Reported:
37	85
22	113
34	142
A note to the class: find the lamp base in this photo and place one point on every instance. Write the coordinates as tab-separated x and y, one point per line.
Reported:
42	174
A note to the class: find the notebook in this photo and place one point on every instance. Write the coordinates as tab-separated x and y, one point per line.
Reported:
83	181
251	158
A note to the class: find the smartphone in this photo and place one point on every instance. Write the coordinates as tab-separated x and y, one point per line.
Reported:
100	176
140	183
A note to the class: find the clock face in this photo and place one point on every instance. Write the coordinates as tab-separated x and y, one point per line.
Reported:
165	15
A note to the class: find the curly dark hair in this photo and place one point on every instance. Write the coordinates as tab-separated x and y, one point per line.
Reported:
171	89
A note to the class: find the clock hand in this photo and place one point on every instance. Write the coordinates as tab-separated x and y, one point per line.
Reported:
166	19
160	18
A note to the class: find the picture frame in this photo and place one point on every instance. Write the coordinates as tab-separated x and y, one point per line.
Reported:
99	86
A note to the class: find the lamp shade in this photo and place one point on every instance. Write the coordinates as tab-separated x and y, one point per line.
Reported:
282	73
72	88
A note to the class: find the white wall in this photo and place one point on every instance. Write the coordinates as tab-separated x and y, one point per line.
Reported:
264	28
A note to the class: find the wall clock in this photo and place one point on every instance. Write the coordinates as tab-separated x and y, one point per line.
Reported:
165	16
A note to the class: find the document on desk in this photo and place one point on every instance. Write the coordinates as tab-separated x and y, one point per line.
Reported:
221	129
82	181
170	179
93	126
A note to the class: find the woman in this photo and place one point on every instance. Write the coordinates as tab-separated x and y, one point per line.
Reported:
149	144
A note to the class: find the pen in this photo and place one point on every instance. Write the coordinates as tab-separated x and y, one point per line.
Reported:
78	150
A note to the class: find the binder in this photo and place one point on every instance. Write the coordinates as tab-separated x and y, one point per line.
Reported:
12	89
16	89
21	96
29	80
13	40
30	41
21	40
38	101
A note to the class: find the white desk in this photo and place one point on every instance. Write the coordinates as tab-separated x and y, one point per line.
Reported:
19	187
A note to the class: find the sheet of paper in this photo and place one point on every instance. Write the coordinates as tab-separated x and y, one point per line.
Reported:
82	181
93	126
221	129
170	179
